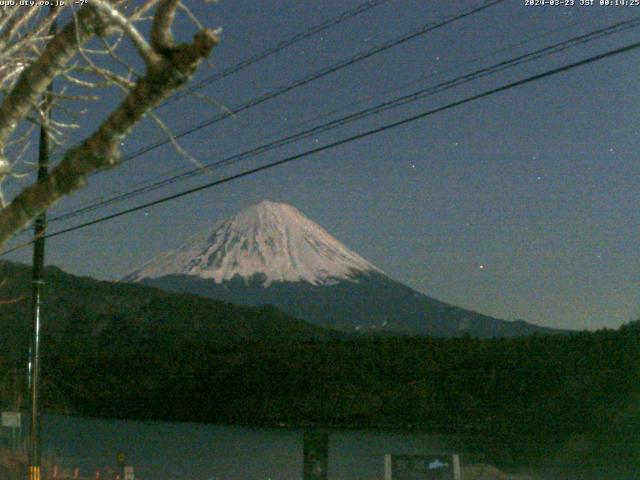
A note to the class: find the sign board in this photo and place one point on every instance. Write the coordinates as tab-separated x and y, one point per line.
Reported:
316	455
422	467
128	473
11	419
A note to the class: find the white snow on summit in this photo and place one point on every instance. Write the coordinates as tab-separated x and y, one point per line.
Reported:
269	238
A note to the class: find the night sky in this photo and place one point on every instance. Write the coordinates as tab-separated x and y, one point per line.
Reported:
521	205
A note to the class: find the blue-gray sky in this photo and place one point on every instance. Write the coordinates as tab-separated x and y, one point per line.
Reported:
519	205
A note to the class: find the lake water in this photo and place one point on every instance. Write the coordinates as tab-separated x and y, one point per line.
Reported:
189	451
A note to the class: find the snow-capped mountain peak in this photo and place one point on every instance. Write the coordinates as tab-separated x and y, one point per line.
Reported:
273	240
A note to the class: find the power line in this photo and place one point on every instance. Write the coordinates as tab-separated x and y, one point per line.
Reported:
298	37
396	102
464	13
315	76
105	199
363	7
350	139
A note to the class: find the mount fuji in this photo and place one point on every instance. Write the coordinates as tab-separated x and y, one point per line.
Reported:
271	253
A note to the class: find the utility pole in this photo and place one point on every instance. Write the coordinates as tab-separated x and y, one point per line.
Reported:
37	284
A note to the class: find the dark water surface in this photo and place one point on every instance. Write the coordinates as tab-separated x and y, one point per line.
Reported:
189	451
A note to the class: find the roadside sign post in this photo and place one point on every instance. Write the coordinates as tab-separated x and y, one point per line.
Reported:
13	422
121	460
316	454
11	419
128	473
422	467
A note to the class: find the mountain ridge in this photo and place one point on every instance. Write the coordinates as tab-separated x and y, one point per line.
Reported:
271	254
359	306
90	311
268	238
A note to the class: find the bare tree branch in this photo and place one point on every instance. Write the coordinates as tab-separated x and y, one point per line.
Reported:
150	57
36	77
31	57
101	149
161	36
174	141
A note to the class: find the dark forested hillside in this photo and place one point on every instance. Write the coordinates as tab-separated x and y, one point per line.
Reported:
116	315
514	400
130	351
